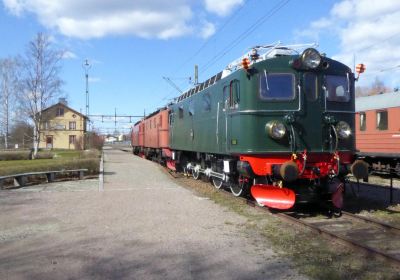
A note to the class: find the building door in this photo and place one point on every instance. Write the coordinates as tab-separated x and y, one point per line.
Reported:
49	142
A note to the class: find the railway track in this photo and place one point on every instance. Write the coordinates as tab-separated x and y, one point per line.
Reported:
371	236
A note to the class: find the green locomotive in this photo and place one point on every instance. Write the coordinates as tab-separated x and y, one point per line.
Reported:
275	123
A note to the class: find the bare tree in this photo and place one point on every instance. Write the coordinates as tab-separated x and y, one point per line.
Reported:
41	81
8	91
376	87
22	134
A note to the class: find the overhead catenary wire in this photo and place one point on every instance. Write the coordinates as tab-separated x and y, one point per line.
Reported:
245	34
238	39
202	47
206	42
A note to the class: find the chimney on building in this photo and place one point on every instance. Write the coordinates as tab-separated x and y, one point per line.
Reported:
63	101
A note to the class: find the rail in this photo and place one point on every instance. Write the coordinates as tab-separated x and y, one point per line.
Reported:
344	235
351	180
21	179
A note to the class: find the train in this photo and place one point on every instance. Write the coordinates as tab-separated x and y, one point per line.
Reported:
378	132
277	124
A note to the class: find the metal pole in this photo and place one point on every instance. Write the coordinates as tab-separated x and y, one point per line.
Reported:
86	65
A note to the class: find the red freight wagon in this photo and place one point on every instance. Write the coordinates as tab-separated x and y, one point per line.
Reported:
378	128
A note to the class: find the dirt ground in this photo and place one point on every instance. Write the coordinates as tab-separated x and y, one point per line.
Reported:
141	226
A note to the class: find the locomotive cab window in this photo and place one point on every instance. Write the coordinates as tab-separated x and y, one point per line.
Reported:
276	86
337	88
382	120
363	121
310	86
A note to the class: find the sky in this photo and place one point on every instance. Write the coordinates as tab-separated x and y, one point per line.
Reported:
132	44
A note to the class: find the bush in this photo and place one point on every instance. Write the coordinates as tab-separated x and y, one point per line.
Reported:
14	155
93	153
44	155
91	164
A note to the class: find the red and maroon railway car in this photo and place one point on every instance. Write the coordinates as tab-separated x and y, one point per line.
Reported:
137	137
378	130
151	135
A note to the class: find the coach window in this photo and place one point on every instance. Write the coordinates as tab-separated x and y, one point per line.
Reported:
337	88
276	86
310	86
382	120
363	123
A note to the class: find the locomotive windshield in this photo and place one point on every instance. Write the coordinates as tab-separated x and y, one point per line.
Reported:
337	88
276	86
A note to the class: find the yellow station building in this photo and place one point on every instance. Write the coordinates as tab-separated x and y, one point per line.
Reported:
62	128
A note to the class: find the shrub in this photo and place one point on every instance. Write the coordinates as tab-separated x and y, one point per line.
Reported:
92	164
93	153
14	155
44	155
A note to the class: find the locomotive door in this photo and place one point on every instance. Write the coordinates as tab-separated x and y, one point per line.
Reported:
222	120
230	105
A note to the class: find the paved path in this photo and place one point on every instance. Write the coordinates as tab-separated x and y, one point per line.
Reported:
142	226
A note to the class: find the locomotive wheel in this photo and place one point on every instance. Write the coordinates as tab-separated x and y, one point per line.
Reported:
241	188
196	174
217	182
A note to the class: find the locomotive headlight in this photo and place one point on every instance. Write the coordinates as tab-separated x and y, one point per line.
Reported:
275	129
343	130
311	58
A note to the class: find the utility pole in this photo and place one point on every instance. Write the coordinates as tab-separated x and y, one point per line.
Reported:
196	74
86	66
115	121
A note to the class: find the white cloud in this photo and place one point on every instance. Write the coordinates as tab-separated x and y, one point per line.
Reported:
69	55
97	18
207	30
366	29
222	7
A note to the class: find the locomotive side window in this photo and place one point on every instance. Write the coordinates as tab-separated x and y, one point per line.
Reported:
180	112
171	118
337	88
277	86
382	120
234	94
207	102
226	96
310	86
363	121
191	108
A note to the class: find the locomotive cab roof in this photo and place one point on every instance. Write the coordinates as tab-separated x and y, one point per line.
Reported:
309	59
